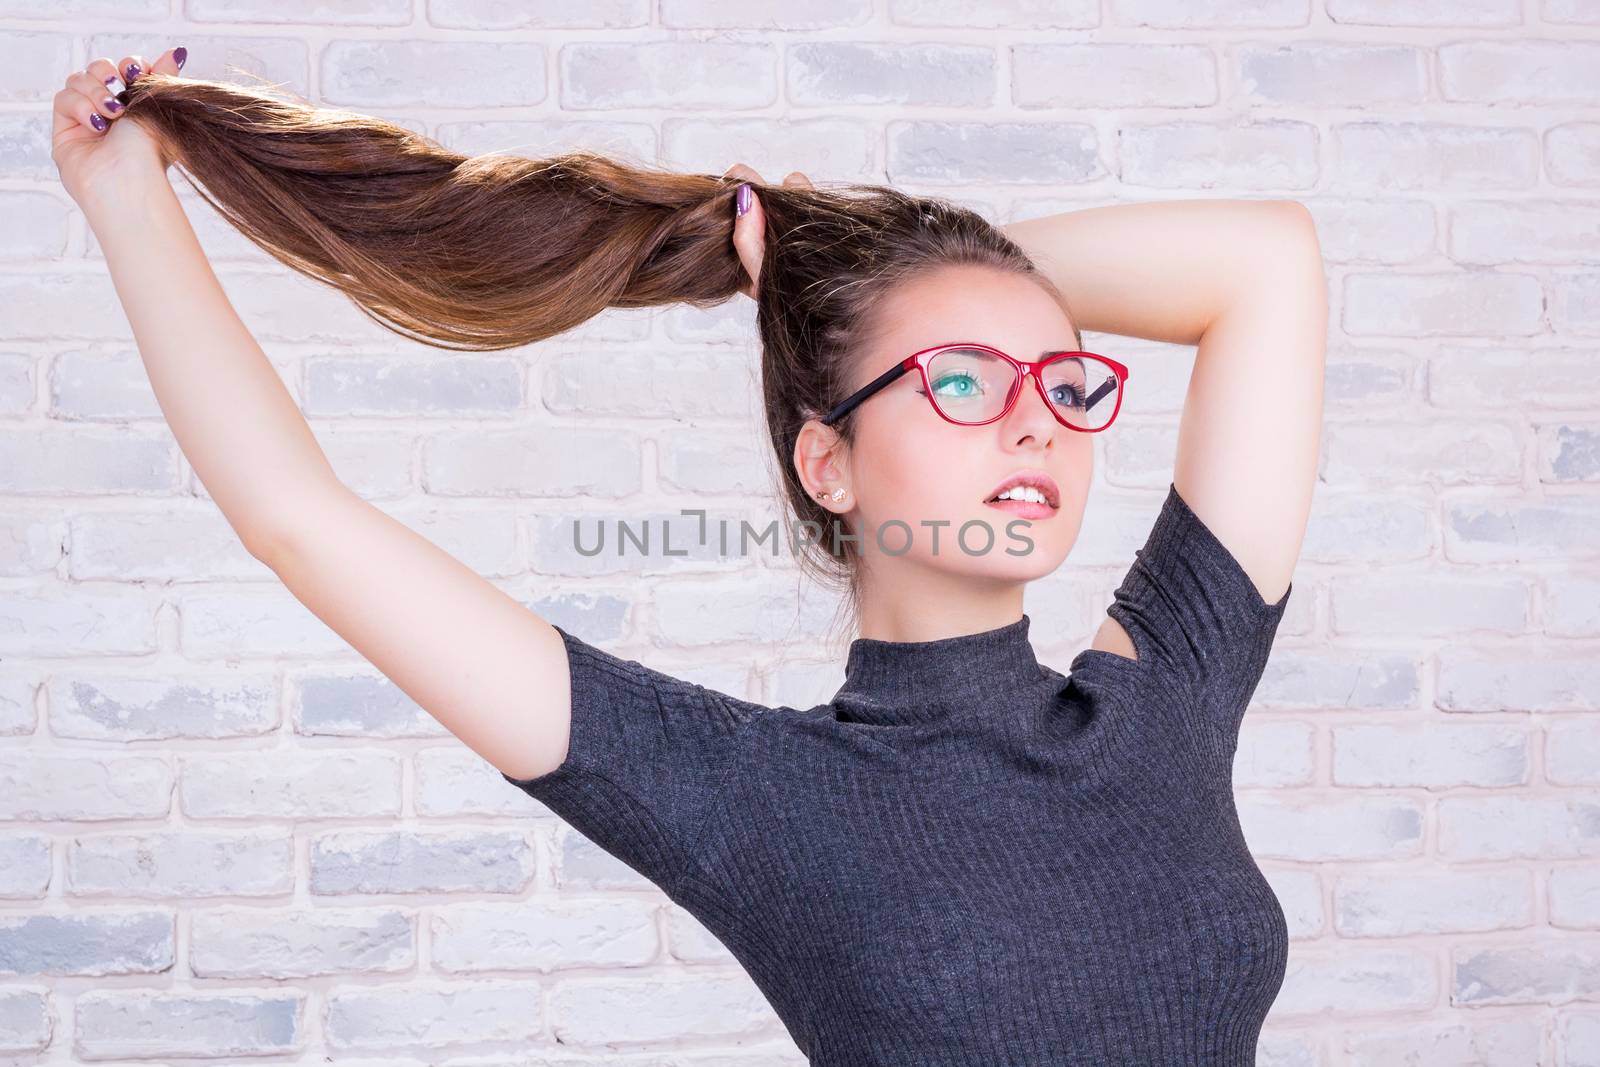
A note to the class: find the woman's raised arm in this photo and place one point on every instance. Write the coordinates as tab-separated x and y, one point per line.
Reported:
492	672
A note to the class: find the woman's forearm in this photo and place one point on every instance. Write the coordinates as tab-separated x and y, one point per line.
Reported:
229	411
1161	271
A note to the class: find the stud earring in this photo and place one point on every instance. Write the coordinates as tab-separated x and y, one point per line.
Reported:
838	494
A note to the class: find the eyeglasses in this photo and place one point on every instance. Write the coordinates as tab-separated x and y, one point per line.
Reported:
974	384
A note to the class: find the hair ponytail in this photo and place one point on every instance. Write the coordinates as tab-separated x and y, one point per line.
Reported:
468	253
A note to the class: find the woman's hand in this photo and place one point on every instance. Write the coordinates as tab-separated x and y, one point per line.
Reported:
749	227
91	149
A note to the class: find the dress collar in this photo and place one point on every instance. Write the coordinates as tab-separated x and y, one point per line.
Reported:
895	683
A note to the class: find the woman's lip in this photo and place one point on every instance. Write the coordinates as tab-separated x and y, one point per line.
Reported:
1023	509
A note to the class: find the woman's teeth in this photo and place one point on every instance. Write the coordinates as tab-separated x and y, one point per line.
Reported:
1023	492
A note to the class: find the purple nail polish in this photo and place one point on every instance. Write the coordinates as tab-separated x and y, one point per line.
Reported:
134	70
742	200
180	55
97	122
112	106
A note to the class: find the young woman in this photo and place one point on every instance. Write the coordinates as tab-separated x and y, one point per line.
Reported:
965	857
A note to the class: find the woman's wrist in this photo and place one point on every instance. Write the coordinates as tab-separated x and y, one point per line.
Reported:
128	196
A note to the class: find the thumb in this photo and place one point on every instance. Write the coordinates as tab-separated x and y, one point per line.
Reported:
748	231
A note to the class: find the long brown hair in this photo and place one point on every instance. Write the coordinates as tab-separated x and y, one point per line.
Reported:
480	253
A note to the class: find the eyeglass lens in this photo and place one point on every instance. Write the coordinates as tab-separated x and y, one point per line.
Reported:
970	385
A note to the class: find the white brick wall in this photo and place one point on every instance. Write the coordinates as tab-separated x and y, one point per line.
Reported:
208	799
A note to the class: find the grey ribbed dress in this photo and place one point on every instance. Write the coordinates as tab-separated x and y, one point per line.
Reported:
966	857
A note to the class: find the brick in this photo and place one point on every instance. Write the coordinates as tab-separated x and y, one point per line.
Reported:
75	460
1437	452
603	1011
706	382
37	786
129	1023
33	539
26	1025
283	784
317	12
342	705
1353	230
1580	11
24	871
1492	233
1443	902
519	462
108	706
1546	971
1460	304
1474	378
434	1016
1209	14
1390	157
548	14
385	73
17	715
1113	75
1575	897
162	542
698	461
1430	756
1274	754
1562	528
1483	1043
1424	603
1516	680
1458	13
405	861
457	385
698	614
993	152
1519	827
228	624
919	75
1354	678
1572	753
640	542
1299	893
543	935
1333	829
1572	154
298	943
39	223
1520	72
87	944
16	382
1352	979
1569	453
182	864
1372	529
1264	154
768	15
1572	606
1575	301
668	74
1322	74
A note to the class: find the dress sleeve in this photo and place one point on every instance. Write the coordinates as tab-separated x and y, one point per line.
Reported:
1196	616
646	762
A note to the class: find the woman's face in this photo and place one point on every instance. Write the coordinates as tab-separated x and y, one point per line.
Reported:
937	478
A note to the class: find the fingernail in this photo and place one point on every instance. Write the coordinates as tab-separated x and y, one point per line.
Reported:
97	122
180	55
116	85
134	70
112	105
742	200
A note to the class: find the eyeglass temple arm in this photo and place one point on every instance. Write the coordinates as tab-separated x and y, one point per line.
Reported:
851	402
1094	397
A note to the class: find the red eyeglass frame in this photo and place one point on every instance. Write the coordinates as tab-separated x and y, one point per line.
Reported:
1025	369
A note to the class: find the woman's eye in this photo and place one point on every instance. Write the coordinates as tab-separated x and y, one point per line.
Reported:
956	385
1067	395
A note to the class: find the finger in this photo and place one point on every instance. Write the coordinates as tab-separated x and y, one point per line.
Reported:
71	108
105	72
131	67
747	240
795	178
96	93
741	173
171	61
